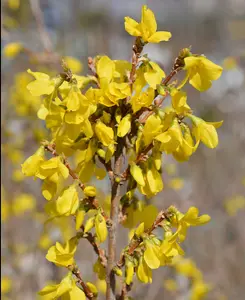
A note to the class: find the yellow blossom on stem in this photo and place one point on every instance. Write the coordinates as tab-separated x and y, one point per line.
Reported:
201	72
147	28
63	256
191	218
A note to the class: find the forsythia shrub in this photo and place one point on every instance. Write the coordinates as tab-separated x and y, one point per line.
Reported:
114	124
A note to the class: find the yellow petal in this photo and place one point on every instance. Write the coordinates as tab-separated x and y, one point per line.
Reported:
131	26
104	133
159	36
124	126
144	273
129	272
76	294
137	174
79	218
150	256
89	224
105	68
100	228
148	19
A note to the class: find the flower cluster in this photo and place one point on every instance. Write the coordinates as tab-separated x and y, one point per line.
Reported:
117	111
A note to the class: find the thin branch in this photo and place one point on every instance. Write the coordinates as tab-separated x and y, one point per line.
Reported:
86	289
93	201
51	148
100	252
137	49
124	292
140	157
159	99
38	14
135	242
115	199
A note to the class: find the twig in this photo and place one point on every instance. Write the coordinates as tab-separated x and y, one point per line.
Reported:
115	199
100	252
37	12
51	148
137	49
107	167
86	289
135	242
91	66
159	99
140	157
124	292
93	201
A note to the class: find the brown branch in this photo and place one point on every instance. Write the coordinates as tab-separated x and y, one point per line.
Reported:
124	292
93	201
159	98
86	289
140	157
107	167
51	148
135	242
115	199
100	252
137	49
37	12
92	67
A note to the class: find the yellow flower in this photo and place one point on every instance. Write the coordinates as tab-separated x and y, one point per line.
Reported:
68	202
172	138
104	133
101	285
124	126
43	85
11	50
199	290
23	203
51	169
14	4
44	242
179	103
31	166
187	267
170	285
143	272
66	289
176	183
233	205
187	148
100	228
205	131
183	222
147	28
129	267
142	100
6	285
73	63
137	174
154	74
99	269
152	254
151	129
201	72
63	256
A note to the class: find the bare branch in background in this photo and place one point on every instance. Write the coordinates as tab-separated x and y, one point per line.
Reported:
38	14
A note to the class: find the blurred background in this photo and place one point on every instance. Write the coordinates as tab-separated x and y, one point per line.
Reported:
213	180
